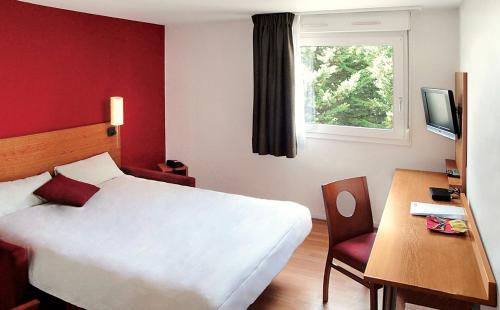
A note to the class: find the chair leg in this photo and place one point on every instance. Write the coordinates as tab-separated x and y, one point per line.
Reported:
373	297
326	276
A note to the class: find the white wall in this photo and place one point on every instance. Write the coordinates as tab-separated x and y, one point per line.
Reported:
480	57
209	91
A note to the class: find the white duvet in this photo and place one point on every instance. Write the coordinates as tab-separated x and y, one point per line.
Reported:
140	244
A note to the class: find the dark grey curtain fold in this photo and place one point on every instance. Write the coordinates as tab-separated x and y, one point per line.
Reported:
273	103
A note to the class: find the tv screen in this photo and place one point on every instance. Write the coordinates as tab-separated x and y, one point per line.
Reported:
440	112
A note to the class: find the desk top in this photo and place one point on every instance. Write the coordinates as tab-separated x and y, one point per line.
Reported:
406	254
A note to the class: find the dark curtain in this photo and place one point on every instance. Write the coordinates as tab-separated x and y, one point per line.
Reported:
273	102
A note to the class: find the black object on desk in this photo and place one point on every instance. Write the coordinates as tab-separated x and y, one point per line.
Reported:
440	194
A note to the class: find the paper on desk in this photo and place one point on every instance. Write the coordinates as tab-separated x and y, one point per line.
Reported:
446	211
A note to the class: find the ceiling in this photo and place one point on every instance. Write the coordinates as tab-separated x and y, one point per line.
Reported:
183	11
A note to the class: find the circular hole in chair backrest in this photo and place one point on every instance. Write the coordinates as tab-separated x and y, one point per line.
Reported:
346	203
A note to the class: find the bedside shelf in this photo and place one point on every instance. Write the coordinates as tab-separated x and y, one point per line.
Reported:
180	171
454	182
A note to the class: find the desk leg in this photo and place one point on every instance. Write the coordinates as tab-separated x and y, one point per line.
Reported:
389	300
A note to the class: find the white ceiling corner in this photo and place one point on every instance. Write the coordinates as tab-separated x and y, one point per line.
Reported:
167	12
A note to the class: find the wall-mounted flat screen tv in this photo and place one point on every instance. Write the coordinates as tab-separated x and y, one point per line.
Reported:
440	112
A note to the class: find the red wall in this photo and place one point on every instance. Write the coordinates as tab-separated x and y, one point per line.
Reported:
58	69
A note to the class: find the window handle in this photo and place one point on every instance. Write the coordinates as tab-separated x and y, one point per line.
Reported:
400	104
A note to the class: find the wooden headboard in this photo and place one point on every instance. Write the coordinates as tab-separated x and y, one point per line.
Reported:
25	156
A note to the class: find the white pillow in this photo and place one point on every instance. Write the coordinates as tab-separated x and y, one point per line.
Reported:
18	194
93	170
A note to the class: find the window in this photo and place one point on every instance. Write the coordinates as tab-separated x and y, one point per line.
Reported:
354	85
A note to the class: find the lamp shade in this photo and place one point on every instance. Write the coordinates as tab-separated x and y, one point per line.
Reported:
116	111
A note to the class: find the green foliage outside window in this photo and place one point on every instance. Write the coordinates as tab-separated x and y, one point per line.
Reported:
348	85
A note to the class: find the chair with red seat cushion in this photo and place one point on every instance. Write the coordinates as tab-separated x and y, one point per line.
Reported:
13	275
356	251
350	237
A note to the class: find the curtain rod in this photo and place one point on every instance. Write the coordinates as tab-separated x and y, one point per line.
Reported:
383	9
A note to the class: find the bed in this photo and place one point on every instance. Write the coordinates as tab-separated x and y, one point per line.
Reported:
144	244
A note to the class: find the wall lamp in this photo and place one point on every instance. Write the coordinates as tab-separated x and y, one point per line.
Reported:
116	105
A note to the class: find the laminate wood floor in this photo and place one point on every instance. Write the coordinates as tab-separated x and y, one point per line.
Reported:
300	284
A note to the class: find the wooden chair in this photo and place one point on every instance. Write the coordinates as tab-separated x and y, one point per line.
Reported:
350	238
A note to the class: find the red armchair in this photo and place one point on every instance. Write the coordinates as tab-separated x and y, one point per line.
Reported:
14	277
32	305
160	176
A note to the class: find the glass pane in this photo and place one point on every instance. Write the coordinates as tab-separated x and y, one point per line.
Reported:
348	85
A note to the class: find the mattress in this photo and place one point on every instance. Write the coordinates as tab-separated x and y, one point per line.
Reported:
141	244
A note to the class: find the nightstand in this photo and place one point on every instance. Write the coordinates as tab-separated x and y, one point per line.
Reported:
180	171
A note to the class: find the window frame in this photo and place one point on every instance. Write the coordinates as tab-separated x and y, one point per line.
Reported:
400	133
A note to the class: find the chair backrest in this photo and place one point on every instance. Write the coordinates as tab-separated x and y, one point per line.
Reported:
340	227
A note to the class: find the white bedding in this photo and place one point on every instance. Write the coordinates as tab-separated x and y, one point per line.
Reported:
140	244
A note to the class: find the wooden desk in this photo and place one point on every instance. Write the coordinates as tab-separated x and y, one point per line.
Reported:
407	255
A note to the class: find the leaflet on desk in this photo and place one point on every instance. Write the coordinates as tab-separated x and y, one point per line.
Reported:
446	211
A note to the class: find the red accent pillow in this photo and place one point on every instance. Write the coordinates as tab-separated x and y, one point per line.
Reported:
66	191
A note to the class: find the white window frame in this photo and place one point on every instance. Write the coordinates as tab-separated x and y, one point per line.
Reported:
400	133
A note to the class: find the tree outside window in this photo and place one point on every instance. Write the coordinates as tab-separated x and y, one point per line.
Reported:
349	85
